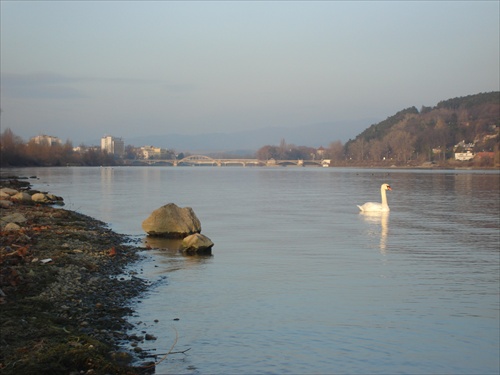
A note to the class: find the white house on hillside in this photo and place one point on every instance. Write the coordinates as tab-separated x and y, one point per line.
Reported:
464	156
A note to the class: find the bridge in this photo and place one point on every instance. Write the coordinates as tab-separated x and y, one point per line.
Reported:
202	160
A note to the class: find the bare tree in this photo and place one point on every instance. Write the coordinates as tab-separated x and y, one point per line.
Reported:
379	149
335	151
402	144
282	149
357	149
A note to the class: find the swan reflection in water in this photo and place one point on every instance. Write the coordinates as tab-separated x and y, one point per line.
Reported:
378	218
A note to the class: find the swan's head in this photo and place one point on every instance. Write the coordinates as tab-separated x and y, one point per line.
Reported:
386	187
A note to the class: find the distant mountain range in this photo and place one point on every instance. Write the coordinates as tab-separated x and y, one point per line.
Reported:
249	141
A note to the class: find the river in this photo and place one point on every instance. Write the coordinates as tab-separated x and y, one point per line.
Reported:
300	282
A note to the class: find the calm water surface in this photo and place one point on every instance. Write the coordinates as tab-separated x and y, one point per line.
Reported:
300	282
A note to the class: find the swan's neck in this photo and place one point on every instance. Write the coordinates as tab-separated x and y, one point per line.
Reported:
384	197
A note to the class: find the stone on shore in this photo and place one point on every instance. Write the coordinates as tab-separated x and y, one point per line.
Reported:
22	196
7	192
40	197
11	227
197	244
172	221
5	203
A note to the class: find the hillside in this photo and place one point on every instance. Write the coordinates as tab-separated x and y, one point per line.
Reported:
469	123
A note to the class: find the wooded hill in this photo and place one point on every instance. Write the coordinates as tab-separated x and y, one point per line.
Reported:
432	134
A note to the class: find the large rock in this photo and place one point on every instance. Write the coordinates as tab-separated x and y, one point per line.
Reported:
4	195
5	203
22	196
39	197
197	244
8	191
172	221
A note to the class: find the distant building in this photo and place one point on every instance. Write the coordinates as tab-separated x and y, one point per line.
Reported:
46	140
113	145
464	156
151	152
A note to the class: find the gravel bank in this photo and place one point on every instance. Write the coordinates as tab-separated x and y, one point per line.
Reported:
65	292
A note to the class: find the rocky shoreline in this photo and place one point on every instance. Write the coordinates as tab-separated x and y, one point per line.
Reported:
65	292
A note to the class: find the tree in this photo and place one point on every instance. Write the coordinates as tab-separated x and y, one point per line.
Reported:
282	150
267	152
335	151
357	149
11	149
440	138
401	144
379	149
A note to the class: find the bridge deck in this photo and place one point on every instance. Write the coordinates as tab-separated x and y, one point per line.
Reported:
206	160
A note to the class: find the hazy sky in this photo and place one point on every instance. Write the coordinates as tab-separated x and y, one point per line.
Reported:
80	70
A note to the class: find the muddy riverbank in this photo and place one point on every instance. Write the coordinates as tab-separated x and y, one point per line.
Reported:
66	291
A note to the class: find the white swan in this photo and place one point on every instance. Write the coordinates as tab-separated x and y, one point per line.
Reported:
377	207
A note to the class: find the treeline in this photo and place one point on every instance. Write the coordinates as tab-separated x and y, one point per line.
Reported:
15	152
286	152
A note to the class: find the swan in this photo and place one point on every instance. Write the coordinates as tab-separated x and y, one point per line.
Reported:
377	207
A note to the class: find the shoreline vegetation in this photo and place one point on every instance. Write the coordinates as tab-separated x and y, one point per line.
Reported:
65	292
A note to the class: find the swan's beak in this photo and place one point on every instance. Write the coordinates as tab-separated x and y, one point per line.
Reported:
388	187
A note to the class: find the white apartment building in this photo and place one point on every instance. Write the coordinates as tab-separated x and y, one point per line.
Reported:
46	140
113	145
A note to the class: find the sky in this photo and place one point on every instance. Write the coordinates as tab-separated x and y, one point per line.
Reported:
81	69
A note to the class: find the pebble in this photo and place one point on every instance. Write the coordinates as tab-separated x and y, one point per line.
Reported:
12	227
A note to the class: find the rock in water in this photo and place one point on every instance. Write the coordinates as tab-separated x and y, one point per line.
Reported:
172	221
197	244
39	197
